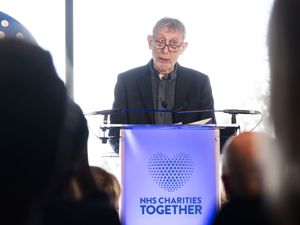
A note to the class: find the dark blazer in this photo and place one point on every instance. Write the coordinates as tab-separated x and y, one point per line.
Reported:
133	91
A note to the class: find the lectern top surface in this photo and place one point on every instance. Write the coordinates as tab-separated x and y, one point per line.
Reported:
171	126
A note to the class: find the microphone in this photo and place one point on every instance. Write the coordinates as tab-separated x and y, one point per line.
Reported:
234	112
241	111
104	112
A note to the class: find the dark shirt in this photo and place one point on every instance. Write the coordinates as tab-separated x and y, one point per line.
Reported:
163	95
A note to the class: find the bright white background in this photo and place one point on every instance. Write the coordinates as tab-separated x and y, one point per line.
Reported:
227	41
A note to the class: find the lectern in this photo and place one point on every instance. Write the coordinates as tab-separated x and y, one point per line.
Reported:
170	174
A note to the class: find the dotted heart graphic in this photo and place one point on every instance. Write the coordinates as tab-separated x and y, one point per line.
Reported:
171	174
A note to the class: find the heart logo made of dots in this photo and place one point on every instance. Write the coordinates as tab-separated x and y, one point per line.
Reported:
171	174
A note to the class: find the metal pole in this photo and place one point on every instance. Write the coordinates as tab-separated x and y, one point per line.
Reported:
69	47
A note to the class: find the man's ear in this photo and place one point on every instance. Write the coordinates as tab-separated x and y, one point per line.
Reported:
183	47
150	40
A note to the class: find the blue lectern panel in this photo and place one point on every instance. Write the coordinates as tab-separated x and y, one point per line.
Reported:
169	175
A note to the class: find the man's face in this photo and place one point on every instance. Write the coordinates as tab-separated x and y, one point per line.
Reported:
165	56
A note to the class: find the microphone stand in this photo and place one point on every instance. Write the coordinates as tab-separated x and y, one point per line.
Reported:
104	128
104	138
233	118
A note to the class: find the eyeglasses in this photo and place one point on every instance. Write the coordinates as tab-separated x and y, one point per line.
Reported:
172	47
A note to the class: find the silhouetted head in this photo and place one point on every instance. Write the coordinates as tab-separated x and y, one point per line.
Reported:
33	106
241	168
107	182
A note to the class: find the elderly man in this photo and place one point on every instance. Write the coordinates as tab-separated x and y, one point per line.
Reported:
162	84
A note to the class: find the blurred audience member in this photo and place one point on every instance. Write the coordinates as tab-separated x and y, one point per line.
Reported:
241	172
43	135
33	102
284	56
242	180
77	200
109	183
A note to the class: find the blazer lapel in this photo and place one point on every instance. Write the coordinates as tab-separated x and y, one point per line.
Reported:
145	91
180	101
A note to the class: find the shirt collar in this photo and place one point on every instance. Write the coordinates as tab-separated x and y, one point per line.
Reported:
155	73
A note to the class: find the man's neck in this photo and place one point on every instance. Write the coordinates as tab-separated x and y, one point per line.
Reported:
162	75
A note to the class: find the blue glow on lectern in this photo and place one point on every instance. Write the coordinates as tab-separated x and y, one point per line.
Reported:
169	175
